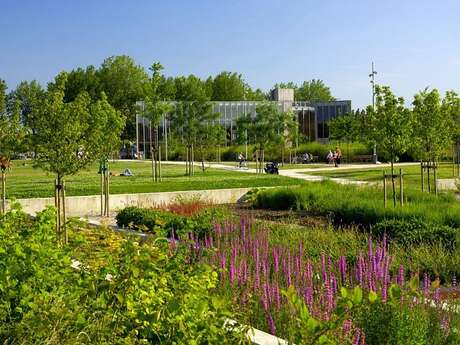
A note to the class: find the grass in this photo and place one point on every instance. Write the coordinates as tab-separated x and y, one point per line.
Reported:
25	181
411	174
348	204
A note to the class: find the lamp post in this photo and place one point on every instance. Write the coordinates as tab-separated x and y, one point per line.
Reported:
372	81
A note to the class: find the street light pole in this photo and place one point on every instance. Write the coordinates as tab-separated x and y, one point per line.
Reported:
372	76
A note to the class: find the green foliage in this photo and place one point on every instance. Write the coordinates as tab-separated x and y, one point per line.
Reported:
312	91
346	128
168	224
364	207
69	136
12	132
433	125
227	86
137	294
306	330
124	82
416	231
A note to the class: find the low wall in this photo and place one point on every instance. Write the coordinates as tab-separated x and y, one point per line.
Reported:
91	205
446	184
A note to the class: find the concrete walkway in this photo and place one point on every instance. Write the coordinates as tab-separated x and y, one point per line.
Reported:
302	173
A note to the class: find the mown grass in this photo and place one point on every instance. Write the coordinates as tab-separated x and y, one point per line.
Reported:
25	181
411	174
348	204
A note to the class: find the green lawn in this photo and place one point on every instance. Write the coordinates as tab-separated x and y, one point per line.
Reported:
24	181
411	173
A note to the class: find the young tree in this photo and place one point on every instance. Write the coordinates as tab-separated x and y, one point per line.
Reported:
266	128
155	108
390	126
11	137
68	137
191	110
209	136
346	128
111	129
433	126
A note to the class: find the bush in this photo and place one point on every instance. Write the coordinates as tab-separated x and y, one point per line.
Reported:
363	206
415	231
168	224
138	294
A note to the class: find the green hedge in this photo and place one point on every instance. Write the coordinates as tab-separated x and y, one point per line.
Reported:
439	217
165	224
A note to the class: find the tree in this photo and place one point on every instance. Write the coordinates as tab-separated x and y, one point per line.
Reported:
267	127
228	86
124	83
68	137
192	110
313	91
209	136
309	91
433	127
80	80
390	126
26	94
346	127
155	108
11	137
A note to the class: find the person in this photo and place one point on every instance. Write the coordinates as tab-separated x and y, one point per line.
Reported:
241	160
337	156
329	157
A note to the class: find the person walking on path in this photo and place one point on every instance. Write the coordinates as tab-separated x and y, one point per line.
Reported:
337	156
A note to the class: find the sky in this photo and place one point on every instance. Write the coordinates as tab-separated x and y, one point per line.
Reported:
413	43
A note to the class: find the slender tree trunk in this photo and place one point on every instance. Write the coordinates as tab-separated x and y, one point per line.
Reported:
66	237
393	182
3	191
102	191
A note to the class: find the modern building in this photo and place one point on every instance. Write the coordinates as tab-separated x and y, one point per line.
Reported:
313	117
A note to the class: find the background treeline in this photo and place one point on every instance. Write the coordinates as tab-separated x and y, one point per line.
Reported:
125	82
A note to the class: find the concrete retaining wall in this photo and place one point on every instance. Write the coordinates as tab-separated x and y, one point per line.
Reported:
90	205
446	184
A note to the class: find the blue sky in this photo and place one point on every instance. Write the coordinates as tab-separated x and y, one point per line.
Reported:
414	44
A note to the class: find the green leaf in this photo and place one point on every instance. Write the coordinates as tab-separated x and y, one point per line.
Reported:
372	296
357	295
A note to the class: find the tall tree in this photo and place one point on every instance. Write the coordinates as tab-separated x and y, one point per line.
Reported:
309	91
267	127
124	83
390	126
155	108
433	127
228	86
80	80
192	110
11	137
313	91
68	137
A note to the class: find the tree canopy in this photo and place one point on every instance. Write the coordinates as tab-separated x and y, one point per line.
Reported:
69	136
314	90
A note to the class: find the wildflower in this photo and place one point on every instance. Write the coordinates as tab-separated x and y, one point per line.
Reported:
109	277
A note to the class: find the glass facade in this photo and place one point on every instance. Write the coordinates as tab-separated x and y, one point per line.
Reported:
313	120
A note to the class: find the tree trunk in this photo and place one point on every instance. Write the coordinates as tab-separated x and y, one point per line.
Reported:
3	191
393	181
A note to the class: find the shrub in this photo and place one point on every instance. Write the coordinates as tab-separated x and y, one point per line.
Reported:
168	224
139	294
415	231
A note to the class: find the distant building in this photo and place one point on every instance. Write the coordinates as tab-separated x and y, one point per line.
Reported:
313	117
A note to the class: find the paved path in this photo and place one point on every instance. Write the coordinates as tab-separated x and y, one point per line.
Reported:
302	173
299	173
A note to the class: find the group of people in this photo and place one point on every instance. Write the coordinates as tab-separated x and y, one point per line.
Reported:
334	157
